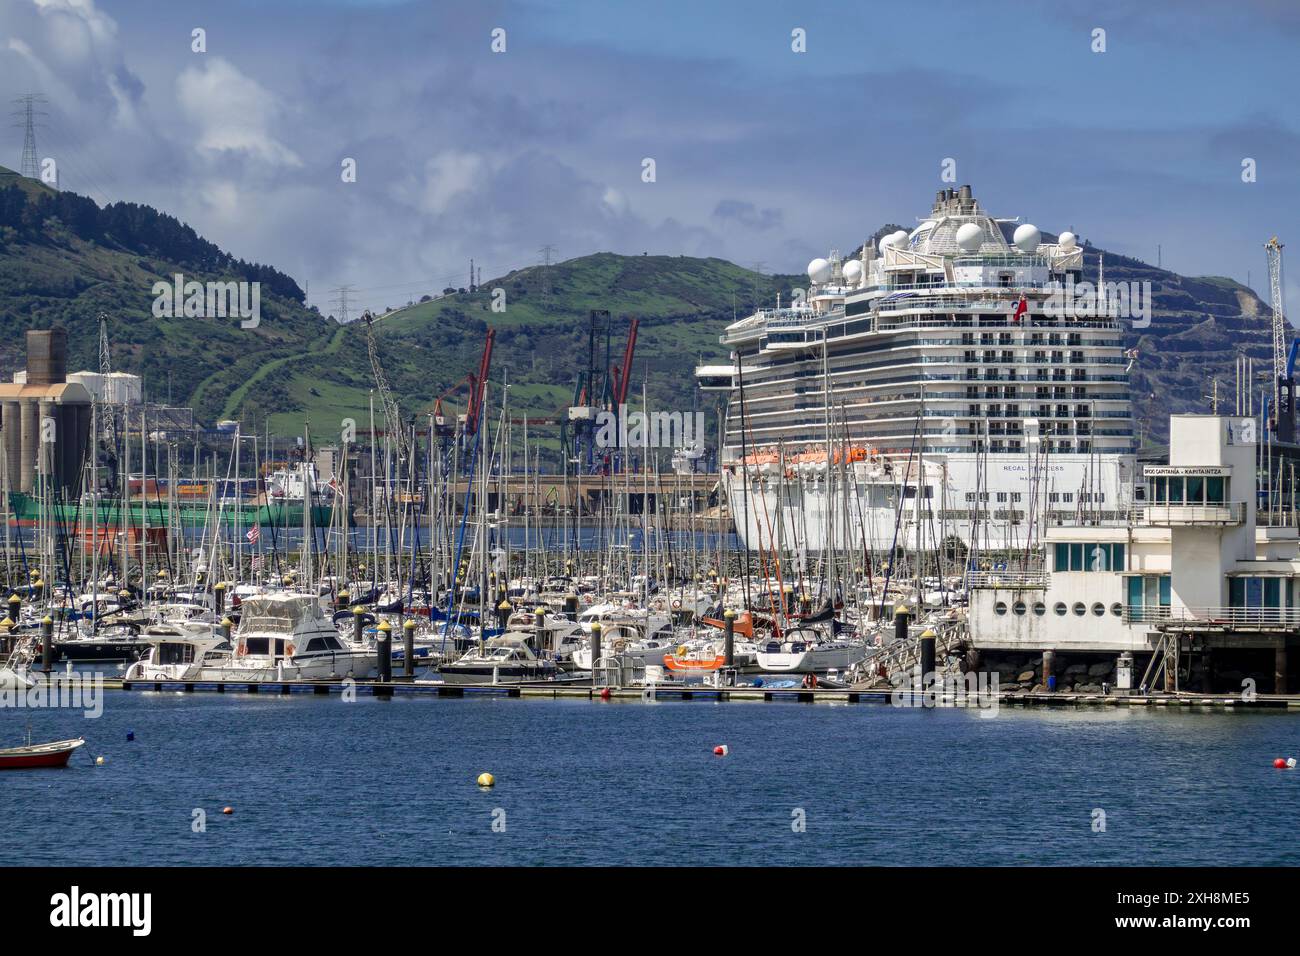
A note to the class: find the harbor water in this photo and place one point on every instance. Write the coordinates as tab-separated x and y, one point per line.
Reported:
318	780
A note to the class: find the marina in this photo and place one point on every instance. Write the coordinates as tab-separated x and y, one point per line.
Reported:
707	442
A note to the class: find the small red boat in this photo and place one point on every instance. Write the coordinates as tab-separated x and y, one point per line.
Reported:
54	754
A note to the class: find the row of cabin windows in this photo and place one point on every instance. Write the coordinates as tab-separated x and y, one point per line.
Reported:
1088	557
1148	590
1189	490
1053	497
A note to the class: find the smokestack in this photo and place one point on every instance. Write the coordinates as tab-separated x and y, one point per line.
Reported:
47	356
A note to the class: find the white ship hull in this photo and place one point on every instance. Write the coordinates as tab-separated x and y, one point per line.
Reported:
1024	495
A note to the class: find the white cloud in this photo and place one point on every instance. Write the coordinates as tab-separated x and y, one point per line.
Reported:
446	177
232	113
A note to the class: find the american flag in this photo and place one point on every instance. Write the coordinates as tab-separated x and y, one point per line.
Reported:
257	562
254	533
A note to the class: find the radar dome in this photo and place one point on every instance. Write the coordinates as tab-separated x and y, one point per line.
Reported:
1066	240
970	237
819	270
899	238
1027	237
852	271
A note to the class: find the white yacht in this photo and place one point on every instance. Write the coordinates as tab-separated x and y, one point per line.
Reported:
179	651
807	651
506	659
288	637
941	385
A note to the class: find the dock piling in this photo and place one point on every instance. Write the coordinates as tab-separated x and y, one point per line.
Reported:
384	644
408	647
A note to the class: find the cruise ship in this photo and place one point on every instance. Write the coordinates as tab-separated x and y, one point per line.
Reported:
952	383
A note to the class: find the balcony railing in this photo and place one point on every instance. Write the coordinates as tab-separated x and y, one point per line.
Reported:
1006	579
1235	618
1164	514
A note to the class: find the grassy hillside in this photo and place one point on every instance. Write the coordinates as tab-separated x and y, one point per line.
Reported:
541	342
63	261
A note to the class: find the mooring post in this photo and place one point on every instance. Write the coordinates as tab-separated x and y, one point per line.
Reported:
1279	667
384	644
358	613
729	639
539	628
408	649
219	596
595	650
47	643
1049	670
901	618
928	675
503	614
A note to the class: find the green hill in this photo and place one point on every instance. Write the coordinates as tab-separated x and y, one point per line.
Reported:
541	338
65	260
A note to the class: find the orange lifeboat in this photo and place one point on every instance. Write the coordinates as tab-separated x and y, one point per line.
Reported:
683	662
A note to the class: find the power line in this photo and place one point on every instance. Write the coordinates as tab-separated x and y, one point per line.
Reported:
30	166
341	298
546	251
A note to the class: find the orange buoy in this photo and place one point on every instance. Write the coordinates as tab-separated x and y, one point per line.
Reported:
227	810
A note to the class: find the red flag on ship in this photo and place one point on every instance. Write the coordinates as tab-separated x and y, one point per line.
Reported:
1021	308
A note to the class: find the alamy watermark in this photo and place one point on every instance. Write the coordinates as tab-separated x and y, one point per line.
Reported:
1087	300
211	300
624	429
77	691
974	689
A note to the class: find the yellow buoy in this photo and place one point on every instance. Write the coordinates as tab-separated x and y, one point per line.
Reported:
486	780
99	761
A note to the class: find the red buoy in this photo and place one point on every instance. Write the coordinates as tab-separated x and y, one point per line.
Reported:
721	750
227	810
604	693
1280	763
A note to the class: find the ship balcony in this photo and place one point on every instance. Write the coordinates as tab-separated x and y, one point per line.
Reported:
1172	515
1214	618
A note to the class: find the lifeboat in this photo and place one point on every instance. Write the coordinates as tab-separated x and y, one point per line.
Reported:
688	661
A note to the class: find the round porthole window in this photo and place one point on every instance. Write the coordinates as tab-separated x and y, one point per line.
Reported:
1060	608
1099	609
1000	607
1019	607
1117	609
1080	608
1040	608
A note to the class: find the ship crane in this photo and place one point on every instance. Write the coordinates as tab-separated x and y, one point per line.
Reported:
1283	365
476	383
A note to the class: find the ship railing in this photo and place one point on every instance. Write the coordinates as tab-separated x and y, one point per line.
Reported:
1011	579
1161	513
1227	618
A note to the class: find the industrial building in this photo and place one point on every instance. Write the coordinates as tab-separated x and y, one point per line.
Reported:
44	419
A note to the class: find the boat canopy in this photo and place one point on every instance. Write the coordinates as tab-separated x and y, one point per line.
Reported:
277	613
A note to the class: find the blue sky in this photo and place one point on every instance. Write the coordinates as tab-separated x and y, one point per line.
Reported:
762	154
